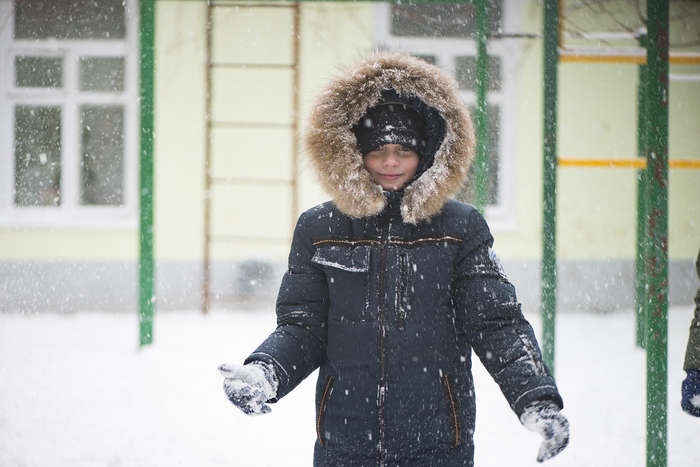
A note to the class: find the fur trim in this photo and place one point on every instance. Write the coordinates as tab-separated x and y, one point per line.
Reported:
333	149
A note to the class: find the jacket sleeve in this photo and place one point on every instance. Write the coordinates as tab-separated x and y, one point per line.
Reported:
298	345
495	327
692	351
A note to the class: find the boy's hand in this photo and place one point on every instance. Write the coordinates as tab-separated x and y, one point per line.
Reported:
545	418
250	386
690	391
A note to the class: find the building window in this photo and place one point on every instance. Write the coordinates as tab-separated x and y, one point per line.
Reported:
69	113
444	34
450	19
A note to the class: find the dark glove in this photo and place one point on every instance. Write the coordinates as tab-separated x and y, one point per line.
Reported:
690	390
249	387
544	417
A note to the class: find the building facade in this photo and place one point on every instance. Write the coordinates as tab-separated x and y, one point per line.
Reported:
234	84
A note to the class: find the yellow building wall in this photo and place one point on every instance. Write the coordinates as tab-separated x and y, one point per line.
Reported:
179	125
257	215
67	244
523	242
684	185
334	36
251	108
597	118
252	142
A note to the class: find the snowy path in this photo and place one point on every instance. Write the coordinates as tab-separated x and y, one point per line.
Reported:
75	391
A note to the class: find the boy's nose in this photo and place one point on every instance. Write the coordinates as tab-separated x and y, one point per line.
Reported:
392	159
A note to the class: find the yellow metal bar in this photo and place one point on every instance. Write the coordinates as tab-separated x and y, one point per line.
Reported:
579	56
637	162
684	164
253	4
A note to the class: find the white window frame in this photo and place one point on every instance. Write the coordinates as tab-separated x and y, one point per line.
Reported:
501	216
70	213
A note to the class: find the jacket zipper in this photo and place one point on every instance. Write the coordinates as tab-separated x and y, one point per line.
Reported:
382	325
321	408
455	420
401	291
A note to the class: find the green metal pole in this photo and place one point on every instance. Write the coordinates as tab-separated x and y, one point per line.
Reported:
657	260
481	164
549	180
146	269
640	295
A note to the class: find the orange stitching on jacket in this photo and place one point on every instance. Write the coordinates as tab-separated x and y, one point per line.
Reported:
320	409
454	410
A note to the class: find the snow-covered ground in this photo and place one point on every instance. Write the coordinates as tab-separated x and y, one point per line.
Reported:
76	391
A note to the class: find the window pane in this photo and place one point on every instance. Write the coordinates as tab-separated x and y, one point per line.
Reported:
70	19
37	155
494	128
102	158
102	74
38	72
441	19
466	72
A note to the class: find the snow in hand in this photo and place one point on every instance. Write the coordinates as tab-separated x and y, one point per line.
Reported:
695	400
546	419
75	391
248	388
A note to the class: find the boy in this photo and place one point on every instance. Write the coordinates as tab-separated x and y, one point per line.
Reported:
391	285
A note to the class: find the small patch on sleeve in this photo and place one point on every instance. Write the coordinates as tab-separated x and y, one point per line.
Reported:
496	262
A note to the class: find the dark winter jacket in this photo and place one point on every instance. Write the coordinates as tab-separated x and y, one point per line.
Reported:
692	351
388	292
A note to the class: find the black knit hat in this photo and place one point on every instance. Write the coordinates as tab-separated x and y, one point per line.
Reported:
391	122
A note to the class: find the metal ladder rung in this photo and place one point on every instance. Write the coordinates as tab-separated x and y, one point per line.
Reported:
251	5
254	66
251	125
210	125
237	180
230	238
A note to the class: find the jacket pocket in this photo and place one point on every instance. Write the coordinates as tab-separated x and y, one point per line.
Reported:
401	303
347	275
322	410
343	258
452	408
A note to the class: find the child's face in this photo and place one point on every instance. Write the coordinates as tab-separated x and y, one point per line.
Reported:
392	166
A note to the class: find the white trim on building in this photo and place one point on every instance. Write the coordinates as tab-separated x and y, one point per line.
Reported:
69	99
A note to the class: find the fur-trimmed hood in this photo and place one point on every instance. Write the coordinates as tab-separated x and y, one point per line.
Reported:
333	148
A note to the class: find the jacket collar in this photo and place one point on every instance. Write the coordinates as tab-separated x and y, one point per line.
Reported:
392	206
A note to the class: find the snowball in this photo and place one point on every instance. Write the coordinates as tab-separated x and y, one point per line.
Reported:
695	400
